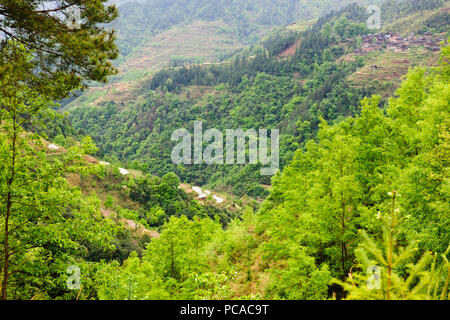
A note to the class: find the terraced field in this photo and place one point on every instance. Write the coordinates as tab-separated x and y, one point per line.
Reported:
199	41
386	68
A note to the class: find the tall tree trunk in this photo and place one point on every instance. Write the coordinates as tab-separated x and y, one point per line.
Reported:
390	250
8	212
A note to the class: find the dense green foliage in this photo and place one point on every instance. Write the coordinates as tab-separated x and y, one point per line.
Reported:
256	89
162	198
253	92
43	220
338	184
246	18
423	279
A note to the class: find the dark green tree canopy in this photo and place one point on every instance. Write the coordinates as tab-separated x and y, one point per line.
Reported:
68	39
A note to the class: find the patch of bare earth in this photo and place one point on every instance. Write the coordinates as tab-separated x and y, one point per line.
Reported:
289	52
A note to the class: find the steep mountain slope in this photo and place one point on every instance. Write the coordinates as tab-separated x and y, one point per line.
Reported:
359	210
153	33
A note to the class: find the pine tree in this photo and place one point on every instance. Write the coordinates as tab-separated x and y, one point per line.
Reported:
391	272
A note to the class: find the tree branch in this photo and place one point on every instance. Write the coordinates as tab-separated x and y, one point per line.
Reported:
28	44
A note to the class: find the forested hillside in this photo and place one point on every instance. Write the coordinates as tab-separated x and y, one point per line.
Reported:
323	78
